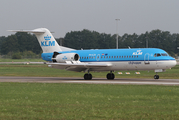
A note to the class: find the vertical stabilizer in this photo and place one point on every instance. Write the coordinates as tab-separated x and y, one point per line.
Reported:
47	41
45	38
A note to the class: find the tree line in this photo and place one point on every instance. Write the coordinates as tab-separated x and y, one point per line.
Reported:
86	39
26	44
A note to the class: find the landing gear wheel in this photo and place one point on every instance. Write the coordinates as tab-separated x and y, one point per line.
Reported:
110	76
156	76
87	76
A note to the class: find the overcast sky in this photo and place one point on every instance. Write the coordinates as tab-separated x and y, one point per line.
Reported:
62	16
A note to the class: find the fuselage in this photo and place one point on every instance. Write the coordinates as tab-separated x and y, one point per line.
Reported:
123	59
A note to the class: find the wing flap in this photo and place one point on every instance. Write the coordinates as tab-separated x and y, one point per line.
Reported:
78	66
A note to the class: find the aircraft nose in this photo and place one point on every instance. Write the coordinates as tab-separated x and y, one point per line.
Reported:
173	63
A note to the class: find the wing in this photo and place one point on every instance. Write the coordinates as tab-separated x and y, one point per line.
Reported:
79	66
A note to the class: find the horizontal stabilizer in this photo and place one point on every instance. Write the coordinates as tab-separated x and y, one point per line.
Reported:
29	31
46	40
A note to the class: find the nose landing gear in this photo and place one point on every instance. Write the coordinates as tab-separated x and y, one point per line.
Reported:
156	76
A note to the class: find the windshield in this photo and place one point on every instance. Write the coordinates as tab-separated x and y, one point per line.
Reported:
160	54
164	54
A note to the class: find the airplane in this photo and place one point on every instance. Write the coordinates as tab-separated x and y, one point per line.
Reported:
61	57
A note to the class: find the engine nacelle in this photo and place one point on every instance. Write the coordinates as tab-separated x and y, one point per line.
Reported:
61	58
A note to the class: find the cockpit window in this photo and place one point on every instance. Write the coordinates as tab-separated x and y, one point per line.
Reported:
164	54
158	54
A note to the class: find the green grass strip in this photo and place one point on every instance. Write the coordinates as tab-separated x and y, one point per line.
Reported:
88	101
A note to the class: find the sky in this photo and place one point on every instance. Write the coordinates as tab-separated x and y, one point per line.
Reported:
63	16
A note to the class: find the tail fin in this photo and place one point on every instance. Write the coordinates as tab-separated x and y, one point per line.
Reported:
46	40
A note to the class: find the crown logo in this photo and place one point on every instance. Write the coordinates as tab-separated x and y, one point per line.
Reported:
47	37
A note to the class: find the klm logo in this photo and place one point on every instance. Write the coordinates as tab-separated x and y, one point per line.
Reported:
47	37
47	41
64	58
137	53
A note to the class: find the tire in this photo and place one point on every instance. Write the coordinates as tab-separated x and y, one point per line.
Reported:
87	76
110	76
156	76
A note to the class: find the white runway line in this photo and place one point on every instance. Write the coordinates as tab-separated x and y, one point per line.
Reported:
113	82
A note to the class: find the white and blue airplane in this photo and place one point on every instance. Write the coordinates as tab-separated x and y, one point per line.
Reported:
100	60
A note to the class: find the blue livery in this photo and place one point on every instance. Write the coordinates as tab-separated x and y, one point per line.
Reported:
100	60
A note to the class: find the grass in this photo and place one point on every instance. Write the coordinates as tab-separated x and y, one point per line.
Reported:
87	101
44	71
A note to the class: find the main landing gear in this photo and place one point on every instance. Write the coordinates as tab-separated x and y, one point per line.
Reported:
87	76
109	76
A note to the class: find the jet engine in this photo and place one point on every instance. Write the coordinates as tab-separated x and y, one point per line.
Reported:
62	57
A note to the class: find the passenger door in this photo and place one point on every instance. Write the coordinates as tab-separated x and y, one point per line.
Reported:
146	58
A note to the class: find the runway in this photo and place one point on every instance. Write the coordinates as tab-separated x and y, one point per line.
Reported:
94	81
